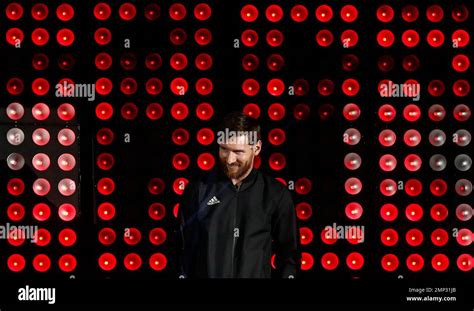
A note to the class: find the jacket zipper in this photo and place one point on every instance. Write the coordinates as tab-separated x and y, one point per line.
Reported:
233	231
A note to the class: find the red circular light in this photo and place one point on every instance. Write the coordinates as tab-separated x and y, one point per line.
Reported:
127	11
66	162
389	212
156	186
276	111
410	38
413	187
388	162
435	38
202	11
204	111
352	161
40	36
102	36
440	262
349	38
41	161
249	13
303	186
415	262
387	113
203	61
306	261
412	162
324	13
41	263
178	36
411	63
102	11
103	86
412	138
276	137
436	88
132	261
439	237
65	37
157	236
353	186
203	36
179	111
132	236
16	262
249	37
464	262
411	113
42	237
154	111
206	161
350	87
329	261
460	38
158	261
385	13
16	211
299	13
129	111
250	87
105	161
436	113
179	86
152	11
105	136
15	186
324	38
385	38
39	11
156	211
414	237
439	212
40	111
303	211
14	11
107	261
66	112
205	136
355	261
15	36
274	13
40	86
301	87
329	235
306	236
40	61
67	263
128	86
177	11
178	61
277	161
66	137
387	138
390	262
438	187
434	13
41	187
461	88
460	13
180	136
275	87
275	62
104	111
410	13
67	212
128	61
252	110
41	212
180	161
460	63
389	237
105	186
349	13
204	86
65	12
153	61
67	237
388	187
106	211
15	86
464	237
107	236
325	87
179	185
414	212
354	210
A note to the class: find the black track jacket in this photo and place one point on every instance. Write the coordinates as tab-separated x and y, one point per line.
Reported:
227	231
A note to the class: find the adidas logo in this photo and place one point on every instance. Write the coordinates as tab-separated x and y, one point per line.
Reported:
213	201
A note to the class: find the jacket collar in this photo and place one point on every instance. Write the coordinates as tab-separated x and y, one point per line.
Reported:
245	184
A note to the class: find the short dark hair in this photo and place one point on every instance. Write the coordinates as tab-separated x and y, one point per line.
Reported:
239	121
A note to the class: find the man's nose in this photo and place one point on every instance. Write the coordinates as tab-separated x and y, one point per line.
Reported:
231	158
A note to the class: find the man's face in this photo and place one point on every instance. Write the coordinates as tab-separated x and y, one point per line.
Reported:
237	158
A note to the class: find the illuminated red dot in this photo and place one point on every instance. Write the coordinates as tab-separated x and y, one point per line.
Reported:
250	87
67	263
106	211
16	262
350	87
65	37
329	261
153	61
439	237
303	211
324	13
461	88
389	212
132	236
104	111
41	212
465	262
202	11
385	13
353	186
252	110
158	261
206	161
415	262
411	113
102	11
179	185
306	236
349	13
275	87
460	38
277	161
438	187
132	261
156	186
107	236
355	261
67	237
388	162
414	237
435	38
389	237
204	86
440	262
349	38
107	261
14	11
102	36
464	237
178	36
410	13
412	138
275	62
439	212
180	136
15	36
324	38
128	86
460	13
410	38
177	11
460	63
387	113
205	136
388	187
157	236
40	86
306	261
16	211
203	61
65	12
299	13
385	38
103	86
204	111
387	138
127	11
390	262
249	13
249	37
414	212
203	36
412	162
40	36
179	86
39	11
303	186
156	211
41	263
106	186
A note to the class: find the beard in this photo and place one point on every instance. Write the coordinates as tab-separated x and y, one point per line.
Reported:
236	169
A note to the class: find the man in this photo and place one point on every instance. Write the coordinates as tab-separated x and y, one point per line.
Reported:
236	217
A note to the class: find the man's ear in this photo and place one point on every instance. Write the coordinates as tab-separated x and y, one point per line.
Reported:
258	147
